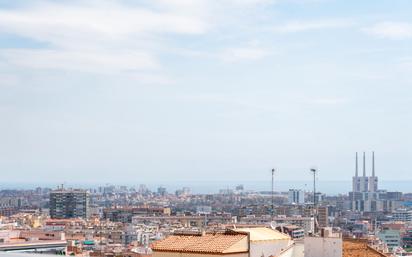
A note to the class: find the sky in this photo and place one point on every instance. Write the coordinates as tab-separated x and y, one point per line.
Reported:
111	91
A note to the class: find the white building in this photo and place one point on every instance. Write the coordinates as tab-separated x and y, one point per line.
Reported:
266	242
327	245
402	215
296	196
242	242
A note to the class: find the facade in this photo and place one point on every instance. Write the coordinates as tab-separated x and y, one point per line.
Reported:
327	245
296	196
125	214
323	216
402	215
306	223
391	237
407	238
266	241
32	241
293	231
69	203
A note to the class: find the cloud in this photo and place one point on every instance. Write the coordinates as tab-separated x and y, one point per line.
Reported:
327	101
299	26
250	51
102	36
390	30
87	61
243	53
95	37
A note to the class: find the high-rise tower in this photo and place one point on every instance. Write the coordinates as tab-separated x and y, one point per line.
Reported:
69	203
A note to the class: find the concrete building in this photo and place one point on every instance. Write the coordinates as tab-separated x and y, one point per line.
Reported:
229	243
186	221
125	214
323	216
402	215
328	244
69	203
266	241
293	231
242	242
296	196
391	237
32	241
307	223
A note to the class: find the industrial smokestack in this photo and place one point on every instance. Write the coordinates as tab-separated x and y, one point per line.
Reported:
356	165
364	165
373	164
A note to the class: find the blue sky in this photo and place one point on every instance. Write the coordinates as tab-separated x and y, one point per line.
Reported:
124	91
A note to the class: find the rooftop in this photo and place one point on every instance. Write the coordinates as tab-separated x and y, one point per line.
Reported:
359	248
207	243
263	234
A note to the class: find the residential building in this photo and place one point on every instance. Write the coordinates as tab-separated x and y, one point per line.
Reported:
229	243
323	216
391	237
69	203
328	244
242	242
296	196
266	241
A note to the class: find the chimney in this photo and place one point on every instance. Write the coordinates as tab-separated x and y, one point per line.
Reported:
356	165
364	165
373	164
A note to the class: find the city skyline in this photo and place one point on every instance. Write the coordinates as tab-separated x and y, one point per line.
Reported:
115	91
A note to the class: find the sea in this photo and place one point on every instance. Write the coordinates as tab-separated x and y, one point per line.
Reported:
211	187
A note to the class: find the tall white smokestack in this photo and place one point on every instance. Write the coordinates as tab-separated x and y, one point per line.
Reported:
373	164
356	165
364	165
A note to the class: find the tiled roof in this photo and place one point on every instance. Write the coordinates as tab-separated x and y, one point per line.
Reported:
359	249
264	234
208	243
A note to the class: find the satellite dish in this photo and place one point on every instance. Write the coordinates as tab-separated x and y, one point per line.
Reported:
273	225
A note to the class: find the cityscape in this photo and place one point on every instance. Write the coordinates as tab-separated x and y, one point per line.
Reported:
113	220
205	128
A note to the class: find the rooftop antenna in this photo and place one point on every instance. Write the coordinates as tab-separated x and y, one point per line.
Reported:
273	199
314	170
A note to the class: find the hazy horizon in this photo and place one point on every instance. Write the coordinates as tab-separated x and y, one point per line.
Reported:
203	187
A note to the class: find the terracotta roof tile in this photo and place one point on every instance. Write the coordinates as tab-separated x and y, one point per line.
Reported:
359	249
209	243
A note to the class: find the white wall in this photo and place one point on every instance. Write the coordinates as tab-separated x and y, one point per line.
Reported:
268	248
323	247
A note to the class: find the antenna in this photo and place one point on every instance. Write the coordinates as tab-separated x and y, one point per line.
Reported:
313	170
273	199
